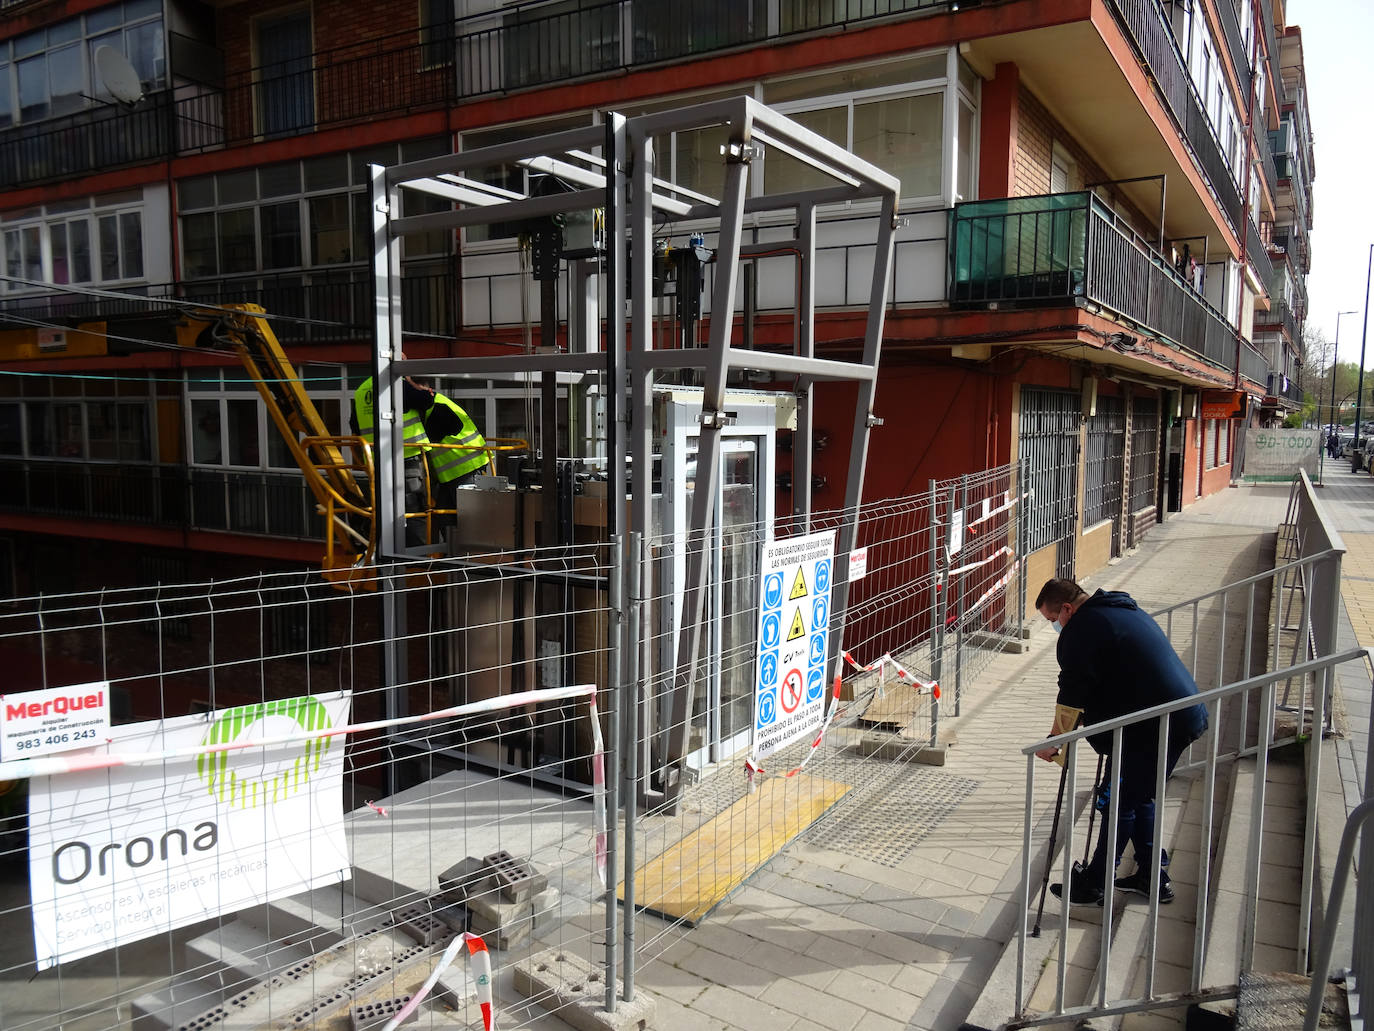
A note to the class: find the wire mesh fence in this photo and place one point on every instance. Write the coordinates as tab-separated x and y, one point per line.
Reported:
300	802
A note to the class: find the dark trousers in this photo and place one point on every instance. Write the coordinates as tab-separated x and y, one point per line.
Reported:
1136	801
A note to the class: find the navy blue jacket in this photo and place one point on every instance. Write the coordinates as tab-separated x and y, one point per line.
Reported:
1115	660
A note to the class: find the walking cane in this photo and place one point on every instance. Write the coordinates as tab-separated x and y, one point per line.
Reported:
1088	841
1049	856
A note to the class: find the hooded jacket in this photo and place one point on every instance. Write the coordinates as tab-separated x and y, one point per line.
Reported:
1115	660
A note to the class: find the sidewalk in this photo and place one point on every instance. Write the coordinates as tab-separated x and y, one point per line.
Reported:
835	938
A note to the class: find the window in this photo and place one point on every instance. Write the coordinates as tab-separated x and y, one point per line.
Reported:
286	89
83	245
54	67
436	33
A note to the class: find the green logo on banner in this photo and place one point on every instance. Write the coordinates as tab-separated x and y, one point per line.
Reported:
248	792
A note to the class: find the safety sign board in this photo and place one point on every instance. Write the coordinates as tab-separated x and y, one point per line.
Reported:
794	628
858	564
55	719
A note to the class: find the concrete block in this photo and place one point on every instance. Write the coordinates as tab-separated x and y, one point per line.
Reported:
452	910
573	990
494	911
370	1016
516	878
503	936
889	746
467	877
421	923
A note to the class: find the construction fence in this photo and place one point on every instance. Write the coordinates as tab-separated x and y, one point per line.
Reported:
469	785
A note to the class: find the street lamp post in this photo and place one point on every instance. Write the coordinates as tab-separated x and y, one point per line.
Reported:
1359	389
1335	350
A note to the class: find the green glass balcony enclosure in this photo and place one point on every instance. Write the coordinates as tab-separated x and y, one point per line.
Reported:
1070	248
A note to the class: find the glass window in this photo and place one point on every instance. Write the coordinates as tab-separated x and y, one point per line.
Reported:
33	253
243	433
144	50
329	235
904	137
196	193
6	99
131	244
926	68
40	431
237	187
326	173
104	18
104	434
61	270
14	254
67	436
238	245
963	189
11	429
33	88
280	180
700	165
79	239
281	235
783	173
206	446
198	251
67	79
109	247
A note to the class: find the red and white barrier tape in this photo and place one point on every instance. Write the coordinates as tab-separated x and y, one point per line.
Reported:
751	767
598	792
997	586
902	673
479	962
1004	550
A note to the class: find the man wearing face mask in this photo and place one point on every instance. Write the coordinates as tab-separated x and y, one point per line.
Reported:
1114	660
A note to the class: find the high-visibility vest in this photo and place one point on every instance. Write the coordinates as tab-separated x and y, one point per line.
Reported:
449	464
412	422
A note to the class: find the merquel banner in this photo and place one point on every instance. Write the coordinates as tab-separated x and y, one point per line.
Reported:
121	854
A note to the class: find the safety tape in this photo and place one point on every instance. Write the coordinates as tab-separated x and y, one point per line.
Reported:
598	793
751	767
1004	550
902	673
479	963
997	586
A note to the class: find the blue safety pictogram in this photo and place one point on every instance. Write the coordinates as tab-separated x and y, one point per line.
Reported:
822	575
772	591
815	686
817	649
772	630
768	669
768	709
820	612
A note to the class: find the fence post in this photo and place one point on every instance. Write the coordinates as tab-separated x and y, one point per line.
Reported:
614	702
630	736
962	495
1018	513
937	605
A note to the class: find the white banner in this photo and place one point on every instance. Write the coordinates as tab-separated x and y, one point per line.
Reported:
794	622
1279	454
123	853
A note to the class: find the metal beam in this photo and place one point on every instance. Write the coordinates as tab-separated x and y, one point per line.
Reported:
581	138
511	211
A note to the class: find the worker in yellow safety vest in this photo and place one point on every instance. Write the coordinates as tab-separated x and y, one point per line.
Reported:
447	423
417	401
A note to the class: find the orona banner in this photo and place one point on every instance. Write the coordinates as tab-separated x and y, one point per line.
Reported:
123	853
1277	454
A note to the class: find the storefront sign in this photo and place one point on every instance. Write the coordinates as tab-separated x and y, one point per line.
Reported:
121	854
55	719
1223	404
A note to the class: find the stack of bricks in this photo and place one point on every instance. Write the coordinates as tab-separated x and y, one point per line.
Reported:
495	896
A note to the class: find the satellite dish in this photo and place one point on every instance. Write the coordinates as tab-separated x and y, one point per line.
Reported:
117	75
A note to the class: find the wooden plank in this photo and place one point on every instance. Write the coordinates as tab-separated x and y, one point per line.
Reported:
692	877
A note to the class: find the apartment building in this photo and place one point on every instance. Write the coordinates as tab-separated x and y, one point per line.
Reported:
1099	270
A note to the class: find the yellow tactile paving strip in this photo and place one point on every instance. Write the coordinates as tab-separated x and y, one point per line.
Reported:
1357	584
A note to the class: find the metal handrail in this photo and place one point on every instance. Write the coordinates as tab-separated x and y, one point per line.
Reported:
1268	574
1321	964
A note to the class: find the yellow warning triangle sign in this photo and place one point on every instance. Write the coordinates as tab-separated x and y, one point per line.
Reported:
798	586
798	627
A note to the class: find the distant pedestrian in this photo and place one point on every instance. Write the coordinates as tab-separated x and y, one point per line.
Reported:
1114	660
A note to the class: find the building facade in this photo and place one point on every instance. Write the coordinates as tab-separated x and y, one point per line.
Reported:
1105	215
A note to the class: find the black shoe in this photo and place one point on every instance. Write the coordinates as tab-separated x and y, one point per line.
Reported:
1139	884
1081	893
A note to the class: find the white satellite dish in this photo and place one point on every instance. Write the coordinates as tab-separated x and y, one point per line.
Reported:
117	75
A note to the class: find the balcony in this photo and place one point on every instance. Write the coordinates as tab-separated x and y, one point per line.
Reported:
1068	247
1266	163
311	305
1254	366
1280	314
1235	43
1258	253
1149	29
259	503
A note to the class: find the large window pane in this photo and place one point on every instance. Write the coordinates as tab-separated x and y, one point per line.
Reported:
243	433
33	88
700	165
67	79
6	99
33	253
79	237
61	269
103	430
14	255
144	44
131	244
329	236
903	137
11	431
198	245
67	430
238	245
964	181
135	443
40	431
281	235
206	446
782	173
109	247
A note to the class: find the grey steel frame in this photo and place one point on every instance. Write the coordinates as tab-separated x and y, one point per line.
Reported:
623	183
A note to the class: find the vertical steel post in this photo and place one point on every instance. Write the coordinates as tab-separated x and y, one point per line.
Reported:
937	610
962	502
614	706
631	735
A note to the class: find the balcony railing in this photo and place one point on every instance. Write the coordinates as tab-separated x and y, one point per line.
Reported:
1254	366
1266	161
1271	44
316	304
275	504
1280	313
1154	39
1060	248
1235	42
1258	253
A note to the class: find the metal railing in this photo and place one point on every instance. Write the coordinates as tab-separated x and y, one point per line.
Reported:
1153	37
1254	366
1280	313
1235	42
1266	162
1059	247
1258	253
